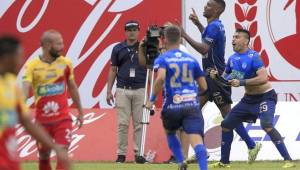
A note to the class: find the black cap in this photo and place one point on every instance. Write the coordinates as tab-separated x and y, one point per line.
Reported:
132	24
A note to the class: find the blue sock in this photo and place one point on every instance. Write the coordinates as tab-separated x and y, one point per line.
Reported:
200	152
175	147
227	138
241	131
278	142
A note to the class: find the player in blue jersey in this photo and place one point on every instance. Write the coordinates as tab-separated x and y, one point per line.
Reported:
245	68
213	48
179	73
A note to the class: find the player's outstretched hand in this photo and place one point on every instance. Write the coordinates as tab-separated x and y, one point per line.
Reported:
62	155
194	17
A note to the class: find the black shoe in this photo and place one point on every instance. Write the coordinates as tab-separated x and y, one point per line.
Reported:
171	160
140	160
182	166
121	159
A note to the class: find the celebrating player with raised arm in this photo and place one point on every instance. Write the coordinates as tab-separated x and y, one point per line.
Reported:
245	68
51	77
212	48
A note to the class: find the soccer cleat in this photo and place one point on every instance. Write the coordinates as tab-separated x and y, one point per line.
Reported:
192	159
140	160
252	153
182	166
171	160
288	164
218	165
121	159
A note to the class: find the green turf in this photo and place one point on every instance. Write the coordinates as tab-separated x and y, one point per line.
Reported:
129	166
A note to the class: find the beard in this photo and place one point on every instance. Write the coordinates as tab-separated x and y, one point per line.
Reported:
54	53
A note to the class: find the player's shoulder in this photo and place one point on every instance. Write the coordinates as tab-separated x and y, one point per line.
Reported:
215	24
235	55
10	77
119	46
33	62
64	60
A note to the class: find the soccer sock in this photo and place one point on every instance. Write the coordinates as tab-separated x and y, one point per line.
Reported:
200	152
44	164
175	147
227	138
241	131
278	142
59	165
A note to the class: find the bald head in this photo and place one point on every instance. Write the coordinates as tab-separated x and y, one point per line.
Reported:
49	37
52	43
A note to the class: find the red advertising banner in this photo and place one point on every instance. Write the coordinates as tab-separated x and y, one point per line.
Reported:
90	29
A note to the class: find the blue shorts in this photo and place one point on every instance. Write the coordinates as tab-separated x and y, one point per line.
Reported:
221	95
252	107
190	119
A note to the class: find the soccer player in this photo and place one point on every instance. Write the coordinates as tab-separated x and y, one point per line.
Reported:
51	77
13	108
245	68
213	48
178	72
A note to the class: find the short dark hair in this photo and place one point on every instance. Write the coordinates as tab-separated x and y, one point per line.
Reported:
222	4
172	34
8	45
246	32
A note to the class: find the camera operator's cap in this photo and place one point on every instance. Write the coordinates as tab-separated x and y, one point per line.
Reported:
132	24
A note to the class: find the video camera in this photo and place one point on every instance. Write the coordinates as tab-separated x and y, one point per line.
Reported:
151	43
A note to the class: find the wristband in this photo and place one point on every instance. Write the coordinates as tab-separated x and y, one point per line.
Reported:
152	98
243	82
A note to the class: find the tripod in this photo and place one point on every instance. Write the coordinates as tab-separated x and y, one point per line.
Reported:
146	112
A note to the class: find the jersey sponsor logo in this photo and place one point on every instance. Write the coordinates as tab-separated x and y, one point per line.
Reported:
178	54
244	65
51	108
51	75
51	89
177	99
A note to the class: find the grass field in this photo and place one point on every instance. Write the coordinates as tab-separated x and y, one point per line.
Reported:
131	166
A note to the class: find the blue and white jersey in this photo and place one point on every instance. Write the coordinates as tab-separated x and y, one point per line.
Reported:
180	89
243	65
214	36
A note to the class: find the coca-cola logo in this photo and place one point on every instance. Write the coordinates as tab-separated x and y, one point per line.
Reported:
90	28
27	145
280	46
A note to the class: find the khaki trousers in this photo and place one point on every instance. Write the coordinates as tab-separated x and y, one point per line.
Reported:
129	103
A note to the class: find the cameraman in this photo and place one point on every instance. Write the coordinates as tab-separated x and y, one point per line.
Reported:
129	95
